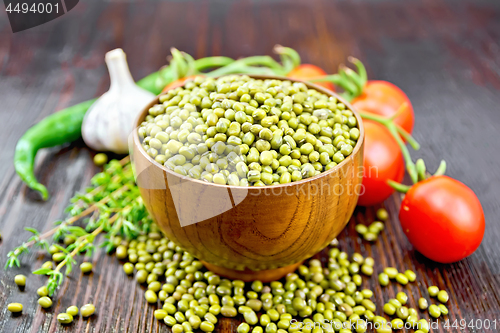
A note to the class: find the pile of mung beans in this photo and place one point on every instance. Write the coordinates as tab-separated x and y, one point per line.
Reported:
237	130
189	298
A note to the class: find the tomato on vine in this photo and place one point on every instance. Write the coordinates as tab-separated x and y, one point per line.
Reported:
377	97
385	99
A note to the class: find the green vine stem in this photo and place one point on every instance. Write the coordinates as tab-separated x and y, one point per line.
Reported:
351	78
420	165
191	64
246	65
355	78
170	73
422	175
393	129
178	63
337	80
348	83
289	58
417	171
401	188
240	69
183	64
363	76
211	62
441	170
166	74
340	80
351	81
334	78
266	61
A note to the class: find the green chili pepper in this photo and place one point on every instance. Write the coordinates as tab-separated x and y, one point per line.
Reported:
56	129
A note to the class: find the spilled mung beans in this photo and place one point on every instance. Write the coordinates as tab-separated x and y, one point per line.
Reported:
197	297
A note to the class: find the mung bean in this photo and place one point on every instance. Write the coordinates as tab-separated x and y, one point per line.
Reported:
434	311
87	310
72	310
20	280
15	307
433	291
442	296
65	318
45	302
423	304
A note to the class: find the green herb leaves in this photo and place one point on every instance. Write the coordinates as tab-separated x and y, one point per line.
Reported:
111	206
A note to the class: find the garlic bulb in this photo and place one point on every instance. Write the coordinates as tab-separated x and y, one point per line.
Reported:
110	119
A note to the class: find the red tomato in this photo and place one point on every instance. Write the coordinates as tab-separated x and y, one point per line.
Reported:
385	99
443	219
307	71
382	161
178	83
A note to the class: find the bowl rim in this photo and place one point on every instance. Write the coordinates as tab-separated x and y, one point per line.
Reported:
139	119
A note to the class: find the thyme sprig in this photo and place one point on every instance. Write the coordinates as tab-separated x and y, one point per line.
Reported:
111	206
82	244
63	228
35	240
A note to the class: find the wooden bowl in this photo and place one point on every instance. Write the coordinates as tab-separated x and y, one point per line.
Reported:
251	233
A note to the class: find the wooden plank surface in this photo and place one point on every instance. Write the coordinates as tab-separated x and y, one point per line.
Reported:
444	54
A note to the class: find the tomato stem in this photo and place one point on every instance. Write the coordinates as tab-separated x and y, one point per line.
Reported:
407	136
355	78
190	63
420	165
347	84
347	79
361	70
266	61
351	81
398	187
289	57
211	62
178	63
286	61
392	128
399	111
334	78
441	169
247	65
240	69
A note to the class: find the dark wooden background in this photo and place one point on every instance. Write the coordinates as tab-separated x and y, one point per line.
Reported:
444	54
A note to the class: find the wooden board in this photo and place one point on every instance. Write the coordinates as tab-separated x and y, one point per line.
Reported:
444	54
